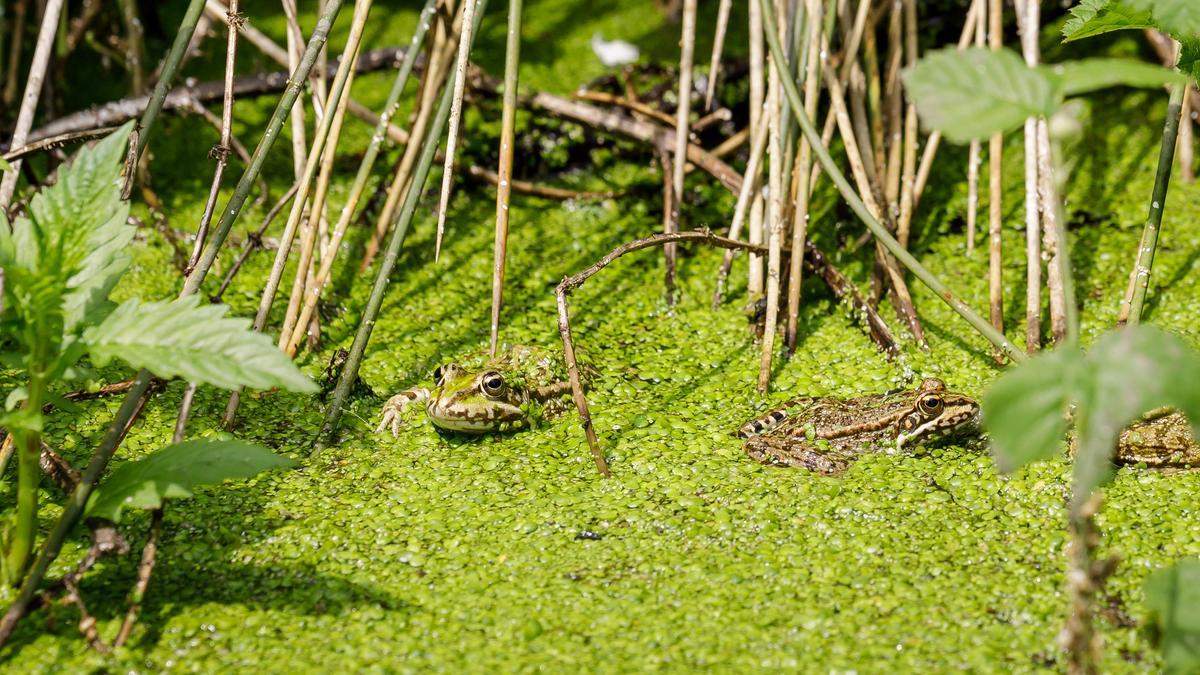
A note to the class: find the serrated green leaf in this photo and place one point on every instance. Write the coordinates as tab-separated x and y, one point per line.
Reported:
182	338
1180	18
1096	17
85	197
172	472
1079	77
975	93
1024	411
1131	371
1173	596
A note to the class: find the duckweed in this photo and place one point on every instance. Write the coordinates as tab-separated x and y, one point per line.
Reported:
443	552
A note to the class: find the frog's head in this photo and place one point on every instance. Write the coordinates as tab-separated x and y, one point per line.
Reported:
475	402
936	413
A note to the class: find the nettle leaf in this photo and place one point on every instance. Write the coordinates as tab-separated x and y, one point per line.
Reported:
1180	18
85	198
1024	411
1096	17
1080	77
196	342
86	301
1132	371
977	92
172	472
1173	596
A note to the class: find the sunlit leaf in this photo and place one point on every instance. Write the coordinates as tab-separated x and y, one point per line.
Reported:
1173	596
1189	57
1180	18
1079	77
196	342
1024	410
975	93
4	165
172	472
1096	17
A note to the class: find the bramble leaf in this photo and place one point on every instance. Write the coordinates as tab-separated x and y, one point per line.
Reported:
1080	77
1096	17
945	85
1180	18
196	342
172	472
1024	411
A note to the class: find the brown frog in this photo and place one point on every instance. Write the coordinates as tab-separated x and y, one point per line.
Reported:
825	434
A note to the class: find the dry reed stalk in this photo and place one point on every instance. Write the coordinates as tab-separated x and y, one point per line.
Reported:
232	21
812	91
460	83
1029	26
504	169
1051	228
33	91
295	43
687	43
750	186
995	194
714	66
754	284
911	130
903	300
628	104
895	107
441	51
775	197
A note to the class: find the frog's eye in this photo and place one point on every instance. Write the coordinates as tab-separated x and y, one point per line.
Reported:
437	374
930	404
493	384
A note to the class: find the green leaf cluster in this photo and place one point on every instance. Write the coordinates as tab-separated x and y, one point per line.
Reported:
1127	373
974	93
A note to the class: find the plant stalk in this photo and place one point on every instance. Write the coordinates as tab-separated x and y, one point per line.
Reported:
508	122
856	204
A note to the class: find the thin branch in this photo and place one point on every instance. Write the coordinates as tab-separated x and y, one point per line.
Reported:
714	66
622	102
504	170
683	111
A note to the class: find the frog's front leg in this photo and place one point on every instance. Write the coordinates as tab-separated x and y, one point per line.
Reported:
393	410
789	452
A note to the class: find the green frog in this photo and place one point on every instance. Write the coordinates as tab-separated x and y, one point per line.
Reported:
826	434
480	394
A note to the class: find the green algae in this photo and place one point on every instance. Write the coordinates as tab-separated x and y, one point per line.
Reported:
444	552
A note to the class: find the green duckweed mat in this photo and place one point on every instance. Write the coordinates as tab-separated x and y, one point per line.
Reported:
509	553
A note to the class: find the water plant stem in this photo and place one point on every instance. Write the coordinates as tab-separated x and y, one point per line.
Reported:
167	70
750	186
801	171
1028	24
860	209
775	198
683	109
504	168
1140	278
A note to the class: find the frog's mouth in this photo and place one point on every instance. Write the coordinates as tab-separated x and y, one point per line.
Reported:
495	417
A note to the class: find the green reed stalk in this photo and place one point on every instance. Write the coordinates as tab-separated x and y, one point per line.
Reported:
174	57
856	204
508	121
1140	280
